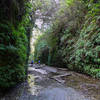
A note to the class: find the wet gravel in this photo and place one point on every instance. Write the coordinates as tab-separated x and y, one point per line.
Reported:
48	83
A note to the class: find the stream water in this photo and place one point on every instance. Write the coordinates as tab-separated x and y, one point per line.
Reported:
49	83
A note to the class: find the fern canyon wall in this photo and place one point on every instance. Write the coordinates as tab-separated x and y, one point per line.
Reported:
15	30
73	38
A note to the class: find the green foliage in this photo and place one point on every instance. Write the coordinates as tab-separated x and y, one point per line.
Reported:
14	43
45	47
69	2
41	49
74	38
13	50
86	50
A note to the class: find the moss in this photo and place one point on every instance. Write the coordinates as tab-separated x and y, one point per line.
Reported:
14	43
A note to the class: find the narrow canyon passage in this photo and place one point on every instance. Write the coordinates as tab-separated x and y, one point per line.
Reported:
38	34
